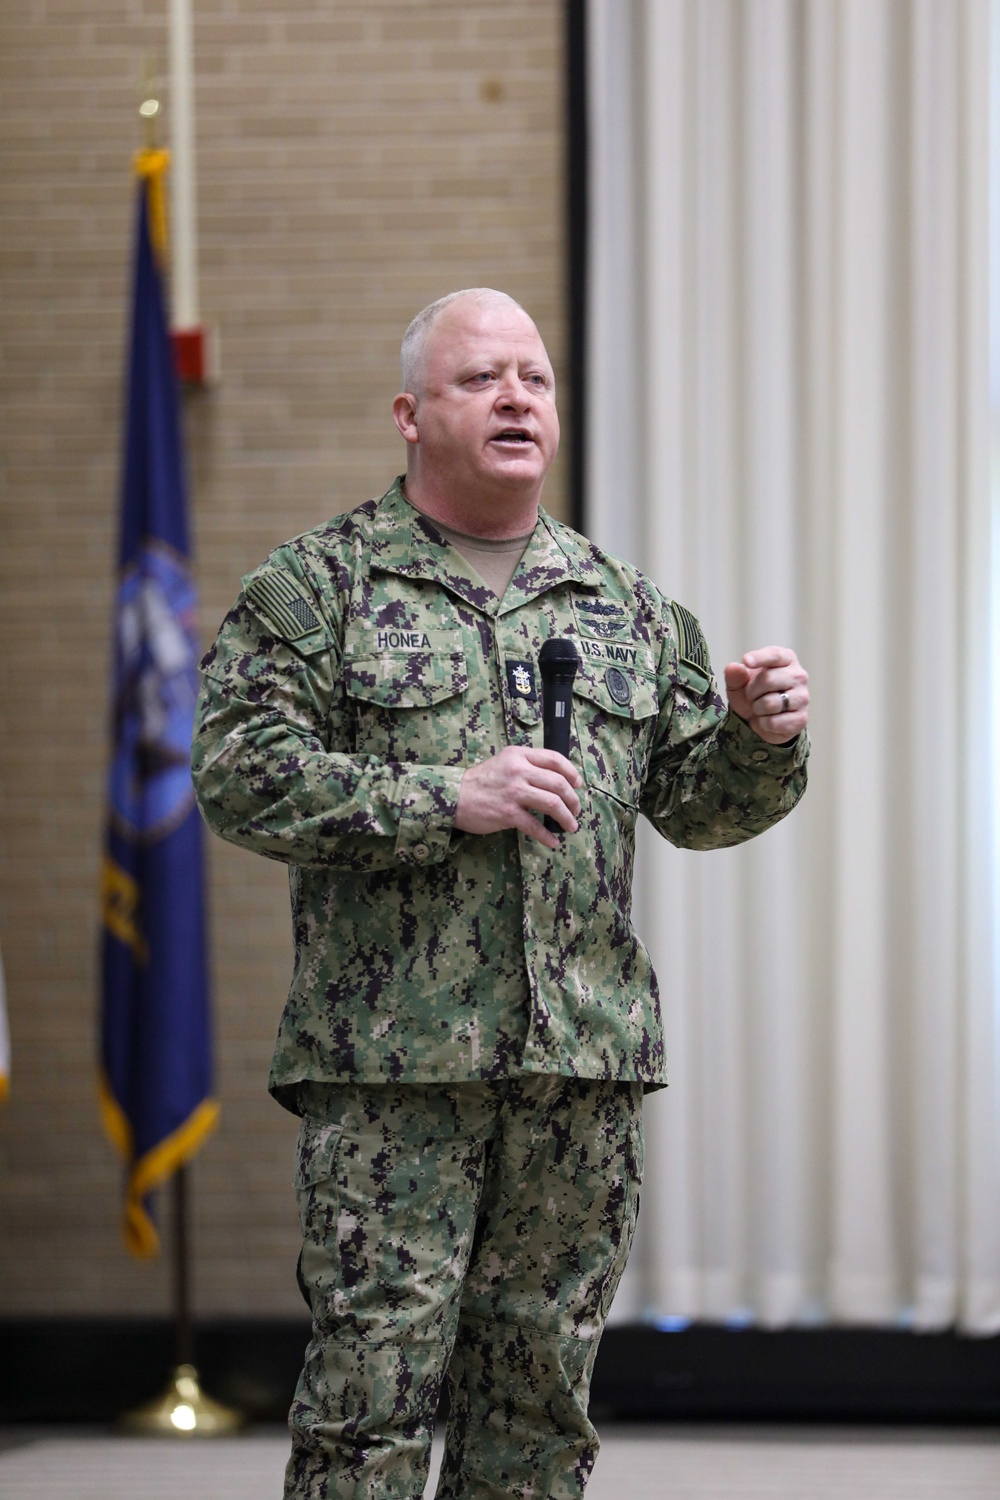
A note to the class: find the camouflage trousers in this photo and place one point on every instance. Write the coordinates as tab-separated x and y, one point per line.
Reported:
475	1231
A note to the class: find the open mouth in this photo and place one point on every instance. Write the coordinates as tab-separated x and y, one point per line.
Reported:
514	436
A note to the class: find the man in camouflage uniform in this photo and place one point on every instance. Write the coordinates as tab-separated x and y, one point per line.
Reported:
472	1020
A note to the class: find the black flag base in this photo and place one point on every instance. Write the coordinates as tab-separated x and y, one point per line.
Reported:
183	1411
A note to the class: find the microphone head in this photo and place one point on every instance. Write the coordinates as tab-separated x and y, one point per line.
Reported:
558	660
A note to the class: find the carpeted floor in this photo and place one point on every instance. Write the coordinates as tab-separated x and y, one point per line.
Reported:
635	1464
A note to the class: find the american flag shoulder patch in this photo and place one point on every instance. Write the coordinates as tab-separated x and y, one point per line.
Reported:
281	599
691	644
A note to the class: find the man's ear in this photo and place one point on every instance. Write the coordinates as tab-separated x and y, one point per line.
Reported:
404	414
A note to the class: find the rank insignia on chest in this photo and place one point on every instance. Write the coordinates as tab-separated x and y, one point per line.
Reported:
521	679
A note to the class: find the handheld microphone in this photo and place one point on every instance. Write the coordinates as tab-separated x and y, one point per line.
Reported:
557	661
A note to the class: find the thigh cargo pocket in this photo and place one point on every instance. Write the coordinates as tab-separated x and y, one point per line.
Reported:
631	1182
316	1154
316	1159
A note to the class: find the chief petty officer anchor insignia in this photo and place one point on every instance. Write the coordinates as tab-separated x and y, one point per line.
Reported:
521	680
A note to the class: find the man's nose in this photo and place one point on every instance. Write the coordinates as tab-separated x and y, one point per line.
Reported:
512	392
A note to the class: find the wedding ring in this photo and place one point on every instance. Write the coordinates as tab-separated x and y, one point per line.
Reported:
784	703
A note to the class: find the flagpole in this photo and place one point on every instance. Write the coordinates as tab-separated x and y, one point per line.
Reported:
183	1410
184	1337
184	238
195	344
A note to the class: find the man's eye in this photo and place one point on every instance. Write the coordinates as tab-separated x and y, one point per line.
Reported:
483	376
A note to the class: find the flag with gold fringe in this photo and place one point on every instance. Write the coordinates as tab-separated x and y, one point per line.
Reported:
156	1046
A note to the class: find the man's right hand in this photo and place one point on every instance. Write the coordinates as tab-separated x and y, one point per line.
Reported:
507	791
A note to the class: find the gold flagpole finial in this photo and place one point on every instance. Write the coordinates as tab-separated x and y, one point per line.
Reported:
149	109
151	161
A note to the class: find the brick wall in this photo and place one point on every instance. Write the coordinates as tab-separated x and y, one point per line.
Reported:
354	162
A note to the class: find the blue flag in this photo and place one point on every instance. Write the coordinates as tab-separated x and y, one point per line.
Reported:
156	1047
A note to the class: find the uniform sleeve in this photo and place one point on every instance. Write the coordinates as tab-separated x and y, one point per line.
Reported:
711	782
271	761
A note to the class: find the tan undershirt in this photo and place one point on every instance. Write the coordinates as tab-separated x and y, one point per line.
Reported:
494	561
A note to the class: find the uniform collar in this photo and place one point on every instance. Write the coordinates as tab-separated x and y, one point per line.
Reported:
407	543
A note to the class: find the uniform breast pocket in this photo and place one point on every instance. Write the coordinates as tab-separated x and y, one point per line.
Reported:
614	709
409	707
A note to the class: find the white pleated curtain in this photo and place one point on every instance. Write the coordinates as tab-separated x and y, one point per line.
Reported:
788	428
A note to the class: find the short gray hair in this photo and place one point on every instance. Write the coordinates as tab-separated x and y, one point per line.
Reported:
411	354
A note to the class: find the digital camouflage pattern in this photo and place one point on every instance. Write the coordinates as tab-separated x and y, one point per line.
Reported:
485	1223
363	667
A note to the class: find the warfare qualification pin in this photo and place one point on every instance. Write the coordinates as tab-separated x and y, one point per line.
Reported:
618	686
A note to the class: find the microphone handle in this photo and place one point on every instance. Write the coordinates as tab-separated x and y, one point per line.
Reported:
556	700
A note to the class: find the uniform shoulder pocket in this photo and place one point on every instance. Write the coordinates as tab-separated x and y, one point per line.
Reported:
694	678
284	604
692	647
